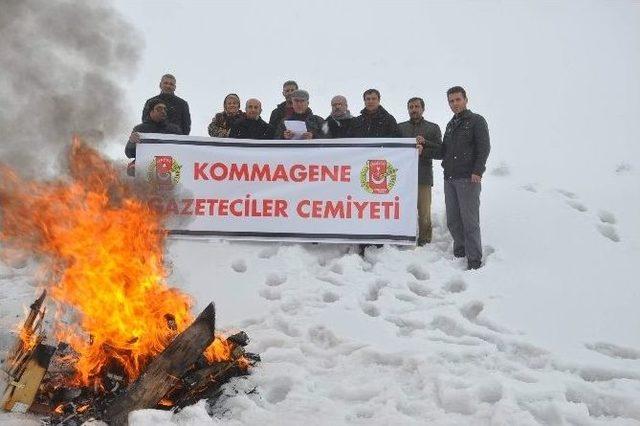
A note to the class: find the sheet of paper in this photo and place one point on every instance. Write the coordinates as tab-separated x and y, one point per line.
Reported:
297	127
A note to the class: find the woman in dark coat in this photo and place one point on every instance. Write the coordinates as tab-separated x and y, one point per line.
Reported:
221	124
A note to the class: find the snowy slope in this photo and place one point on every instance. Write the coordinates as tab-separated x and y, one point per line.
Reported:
548	332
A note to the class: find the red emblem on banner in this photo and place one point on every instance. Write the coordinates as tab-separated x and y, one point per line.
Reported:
378	176
164	163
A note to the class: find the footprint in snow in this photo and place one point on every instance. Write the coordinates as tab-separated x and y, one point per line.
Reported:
614	351
374	290
404	297
607	217
419	289
455	285
239	265
275	279
270	293
329	297
418	272
489	250
501	170
285	327
323	337
530	187
601	404
567	194
331	280
576	205
623	168
406	326
608	231
471	310
277	389
370	309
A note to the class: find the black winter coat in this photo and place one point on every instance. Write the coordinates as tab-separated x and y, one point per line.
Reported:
432	135
151	127
278	114
314	124
380	124
251	129
338	128
177	111
465	147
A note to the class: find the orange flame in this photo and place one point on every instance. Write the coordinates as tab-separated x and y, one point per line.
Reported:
103	247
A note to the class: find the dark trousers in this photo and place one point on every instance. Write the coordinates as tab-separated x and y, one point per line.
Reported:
462	200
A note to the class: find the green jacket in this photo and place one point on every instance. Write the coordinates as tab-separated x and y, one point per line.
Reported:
431	132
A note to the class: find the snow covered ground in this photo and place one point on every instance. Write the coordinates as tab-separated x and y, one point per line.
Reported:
548	332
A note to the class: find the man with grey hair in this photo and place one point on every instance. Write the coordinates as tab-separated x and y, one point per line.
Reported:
339	121
301	112
177	108
252	126
423	130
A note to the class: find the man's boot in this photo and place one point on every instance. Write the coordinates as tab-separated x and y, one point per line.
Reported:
474	264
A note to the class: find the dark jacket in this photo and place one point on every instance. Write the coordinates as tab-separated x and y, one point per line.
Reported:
251	129
338	128
314	124
177	111
221	124
465	147
380	124
431	133
278	114
151	127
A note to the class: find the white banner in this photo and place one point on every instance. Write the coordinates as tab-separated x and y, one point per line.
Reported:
339	190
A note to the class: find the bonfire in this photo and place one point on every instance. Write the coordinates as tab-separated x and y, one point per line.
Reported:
118	328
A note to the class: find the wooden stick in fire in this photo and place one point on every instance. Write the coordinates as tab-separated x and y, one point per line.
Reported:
30	338
164	372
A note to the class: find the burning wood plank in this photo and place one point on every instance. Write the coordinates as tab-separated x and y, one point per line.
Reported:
164	372
27	361
20	394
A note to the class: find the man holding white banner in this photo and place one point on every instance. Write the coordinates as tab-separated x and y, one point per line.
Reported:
342	191
302	123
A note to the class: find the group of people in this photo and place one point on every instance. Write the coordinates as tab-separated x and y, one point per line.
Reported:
463	150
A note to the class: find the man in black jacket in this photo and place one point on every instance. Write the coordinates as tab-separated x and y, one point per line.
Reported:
339	121
374	121
177	108
157	123
464	153
423	130
301	112
252	126
286	107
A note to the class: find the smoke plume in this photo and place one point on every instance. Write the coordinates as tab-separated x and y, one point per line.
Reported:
63	65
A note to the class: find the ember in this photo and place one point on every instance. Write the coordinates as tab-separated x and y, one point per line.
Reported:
102	253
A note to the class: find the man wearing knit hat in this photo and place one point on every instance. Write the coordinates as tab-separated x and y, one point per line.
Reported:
157	123
301	112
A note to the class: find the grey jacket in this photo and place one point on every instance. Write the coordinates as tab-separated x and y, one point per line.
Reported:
431	132
465	147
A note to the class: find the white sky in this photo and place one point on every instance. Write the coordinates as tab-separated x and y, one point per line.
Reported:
557	81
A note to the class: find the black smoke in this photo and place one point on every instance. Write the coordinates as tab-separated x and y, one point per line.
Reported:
64	65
